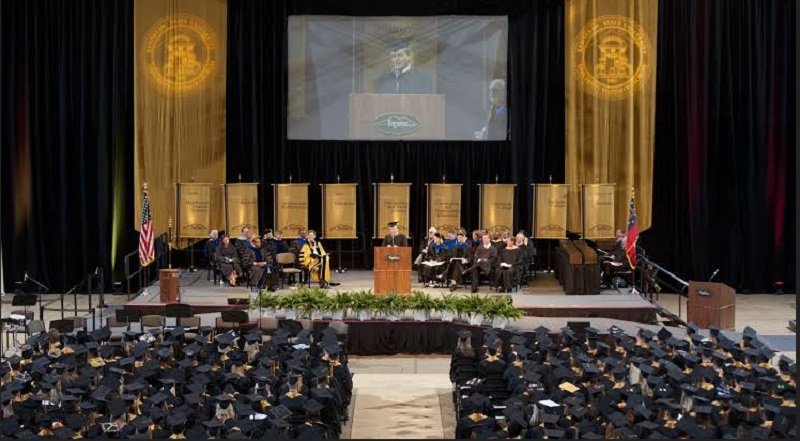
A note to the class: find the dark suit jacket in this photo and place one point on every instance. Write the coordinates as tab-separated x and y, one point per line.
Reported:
412	81
399	240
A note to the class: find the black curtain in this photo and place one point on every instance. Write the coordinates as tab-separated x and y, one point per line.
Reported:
67	116
256	112
724	184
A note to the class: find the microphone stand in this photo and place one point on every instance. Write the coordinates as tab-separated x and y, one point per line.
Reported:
43	289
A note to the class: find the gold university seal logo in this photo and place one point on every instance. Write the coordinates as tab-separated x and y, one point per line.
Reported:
612	56
179	54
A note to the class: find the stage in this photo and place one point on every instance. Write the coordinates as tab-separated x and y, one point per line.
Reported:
541	297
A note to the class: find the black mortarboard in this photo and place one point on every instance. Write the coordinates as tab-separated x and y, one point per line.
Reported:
117	407
618	419
175	419
663	334
554	433
312	407
550	418
748	331
392	224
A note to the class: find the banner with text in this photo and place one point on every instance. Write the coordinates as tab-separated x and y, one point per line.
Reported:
597	210
391	205
291	208
179	101
193	213
610	89
339	211
241	208
497	207
550	211
444	206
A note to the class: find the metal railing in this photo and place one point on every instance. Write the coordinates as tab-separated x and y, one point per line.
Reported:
143	274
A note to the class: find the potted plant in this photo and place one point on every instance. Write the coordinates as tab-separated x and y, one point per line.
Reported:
474	307
338	304
420	305
362	303
284	306
266	301
391	305
447	306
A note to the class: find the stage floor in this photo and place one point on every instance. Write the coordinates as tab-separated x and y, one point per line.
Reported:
542	297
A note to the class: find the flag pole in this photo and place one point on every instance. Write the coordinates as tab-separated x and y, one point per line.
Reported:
145	291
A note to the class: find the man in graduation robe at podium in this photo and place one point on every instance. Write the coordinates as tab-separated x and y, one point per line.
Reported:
394	238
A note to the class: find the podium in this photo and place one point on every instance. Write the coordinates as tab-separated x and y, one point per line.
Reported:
396	116
712	304
392	270
577	268
169	285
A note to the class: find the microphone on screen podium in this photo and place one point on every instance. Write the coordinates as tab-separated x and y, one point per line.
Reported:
714	274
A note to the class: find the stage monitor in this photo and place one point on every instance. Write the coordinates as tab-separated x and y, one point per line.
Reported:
397	78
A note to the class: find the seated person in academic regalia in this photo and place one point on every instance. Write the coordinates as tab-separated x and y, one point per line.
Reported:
435	261
508	266
315	259
426	243
460	258
228	260
483	261
473	422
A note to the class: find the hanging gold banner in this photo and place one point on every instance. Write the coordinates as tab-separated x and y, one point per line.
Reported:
610	86
339	211
497	207
444	206
194	204
550	211
597	208
179	101
241	208
291	208
391	205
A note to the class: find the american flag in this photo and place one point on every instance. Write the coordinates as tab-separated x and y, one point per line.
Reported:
632	236
146	246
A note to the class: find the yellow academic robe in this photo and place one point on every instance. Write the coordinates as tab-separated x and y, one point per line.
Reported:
311	262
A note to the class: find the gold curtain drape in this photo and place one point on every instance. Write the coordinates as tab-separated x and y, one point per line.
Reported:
444	206
179	101
339	211
611	102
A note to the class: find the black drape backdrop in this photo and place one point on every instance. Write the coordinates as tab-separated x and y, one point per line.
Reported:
67	118
259	151
725	142
724	186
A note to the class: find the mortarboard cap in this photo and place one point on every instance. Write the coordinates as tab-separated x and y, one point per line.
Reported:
312	407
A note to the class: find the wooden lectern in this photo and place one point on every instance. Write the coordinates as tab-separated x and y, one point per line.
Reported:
712	304
396	116
169	285
392	270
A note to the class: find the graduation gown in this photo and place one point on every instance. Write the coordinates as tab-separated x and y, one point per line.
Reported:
315	258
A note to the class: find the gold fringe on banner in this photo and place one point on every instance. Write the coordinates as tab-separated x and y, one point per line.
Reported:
444	206
339	211
179	101
611	102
